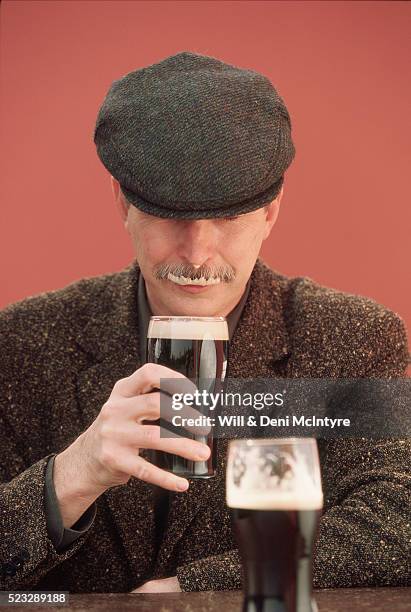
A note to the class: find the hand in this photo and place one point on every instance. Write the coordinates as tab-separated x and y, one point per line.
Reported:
109	447
162	585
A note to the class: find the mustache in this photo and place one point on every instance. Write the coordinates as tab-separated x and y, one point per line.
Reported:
226	273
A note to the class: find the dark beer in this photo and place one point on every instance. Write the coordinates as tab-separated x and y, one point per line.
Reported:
197	347
276	550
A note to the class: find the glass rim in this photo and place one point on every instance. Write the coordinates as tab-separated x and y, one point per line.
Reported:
187	318
271	441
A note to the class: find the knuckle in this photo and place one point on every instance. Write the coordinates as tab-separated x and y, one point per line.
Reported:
107	457
106	430
150	433
146	368
142	471
153	401
119	383
147	372
106	411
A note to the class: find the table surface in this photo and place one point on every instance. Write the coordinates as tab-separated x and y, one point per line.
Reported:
328	600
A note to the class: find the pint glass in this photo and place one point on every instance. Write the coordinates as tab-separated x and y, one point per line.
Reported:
273	487
198	348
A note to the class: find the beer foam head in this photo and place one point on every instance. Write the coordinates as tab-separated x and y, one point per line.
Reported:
307	499
188	328
253	482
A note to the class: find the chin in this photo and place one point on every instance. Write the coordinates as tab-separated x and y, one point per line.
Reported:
193	306
194	311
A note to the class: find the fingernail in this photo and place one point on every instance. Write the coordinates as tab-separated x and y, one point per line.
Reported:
182	485
204	453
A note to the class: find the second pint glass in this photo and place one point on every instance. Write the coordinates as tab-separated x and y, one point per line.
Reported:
274	489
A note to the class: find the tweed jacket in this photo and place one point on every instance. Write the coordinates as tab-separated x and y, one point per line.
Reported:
62	352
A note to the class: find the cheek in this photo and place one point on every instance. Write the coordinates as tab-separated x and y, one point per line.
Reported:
242	244
152	244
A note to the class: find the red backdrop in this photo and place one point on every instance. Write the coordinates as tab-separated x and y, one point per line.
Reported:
342	68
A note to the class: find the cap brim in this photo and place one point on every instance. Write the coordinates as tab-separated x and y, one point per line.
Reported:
218	211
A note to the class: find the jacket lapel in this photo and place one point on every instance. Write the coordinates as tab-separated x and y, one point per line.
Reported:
110	339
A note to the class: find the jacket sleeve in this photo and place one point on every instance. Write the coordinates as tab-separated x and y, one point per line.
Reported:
364	533
217	573
26	551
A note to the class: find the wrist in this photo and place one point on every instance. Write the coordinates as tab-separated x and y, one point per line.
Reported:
71	477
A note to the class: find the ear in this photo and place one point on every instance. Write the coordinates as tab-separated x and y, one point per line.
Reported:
272	211
119	199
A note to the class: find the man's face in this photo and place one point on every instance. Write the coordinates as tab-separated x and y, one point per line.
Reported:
196	267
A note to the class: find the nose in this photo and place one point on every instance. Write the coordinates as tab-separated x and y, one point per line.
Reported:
197	241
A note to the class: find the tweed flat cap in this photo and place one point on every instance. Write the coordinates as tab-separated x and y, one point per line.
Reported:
192	137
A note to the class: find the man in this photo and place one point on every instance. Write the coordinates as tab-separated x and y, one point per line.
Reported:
197	150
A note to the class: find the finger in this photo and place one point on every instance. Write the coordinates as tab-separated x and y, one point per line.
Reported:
147	378
152	406
189	418
196	450
151	436
143	470
179	386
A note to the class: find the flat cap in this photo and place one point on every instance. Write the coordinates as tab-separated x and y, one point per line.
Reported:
192	137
